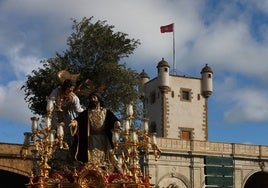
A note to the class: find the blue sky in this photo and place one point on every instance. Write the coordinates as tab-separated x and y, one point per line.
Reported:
229	35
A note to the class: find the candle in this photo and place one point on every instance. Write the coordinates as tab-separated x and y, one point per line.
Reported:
129	110
52	137
50	104
60	131
154	142
34	123
115	136
117	125
134	137
145	126
127	125
48	122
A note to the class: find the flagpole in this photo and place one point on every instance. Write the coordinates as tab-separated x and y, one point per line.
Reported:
174	63
170	28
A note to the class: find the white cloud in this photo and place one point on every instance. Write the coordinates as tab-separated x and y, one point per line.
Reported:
230	47
2	95
22	65
12	104
262	5
249	106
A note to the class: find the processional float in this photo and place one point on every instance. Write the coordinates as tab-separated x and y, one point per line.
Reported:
132	147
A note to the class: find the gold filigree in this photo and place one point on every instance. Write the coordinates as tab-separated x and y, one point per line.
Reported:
92	178
96	118
97	156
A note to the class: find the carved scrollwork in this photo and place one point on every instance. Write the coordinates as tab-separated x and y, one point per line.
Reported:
92	179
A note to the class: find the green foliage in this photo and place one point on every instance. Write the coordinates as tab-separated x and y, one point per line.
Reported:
95	51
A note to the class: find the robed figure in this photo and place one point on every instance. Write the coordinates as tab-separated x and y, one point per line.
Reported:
67	107
92	129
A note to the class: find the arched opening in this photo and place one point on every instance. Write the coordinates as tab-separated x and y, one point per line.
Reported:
173	180
10	179
259	179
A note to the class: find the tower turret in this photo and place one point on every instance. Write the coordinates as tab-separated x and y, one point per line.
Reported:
207	81
143	78
163	75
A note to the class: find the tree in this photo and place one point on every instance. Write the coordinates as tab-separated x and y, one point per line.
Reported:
94	51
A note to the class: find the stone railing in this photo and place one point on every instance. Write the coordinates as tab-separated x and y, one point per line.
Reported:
194	147
7	149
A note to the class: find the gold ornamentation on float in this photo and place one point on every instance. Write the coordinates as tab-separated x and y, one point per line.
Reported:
43	143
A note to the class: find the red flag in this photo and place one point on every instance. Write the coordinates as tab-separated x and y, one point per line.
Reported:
167	28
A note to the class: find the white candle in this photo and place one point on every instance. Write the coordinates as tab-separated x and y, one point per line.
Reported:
34	123
50	104
134	137
154	139
129	110
145	125
52	137
127	125
115	136
60	131
48	122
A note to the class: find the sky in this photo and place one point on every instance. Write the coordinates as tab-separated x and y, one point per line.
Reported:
229	35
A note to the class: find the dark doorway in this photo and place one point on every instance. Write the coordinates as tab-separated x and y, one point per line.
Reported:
257	180
12	180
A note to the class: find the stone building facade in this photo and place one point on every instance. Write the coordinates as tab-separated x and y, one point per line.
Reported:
177	108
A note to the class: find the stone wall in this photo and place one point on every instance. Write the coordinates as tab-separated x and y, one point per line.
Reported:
11	160
182	162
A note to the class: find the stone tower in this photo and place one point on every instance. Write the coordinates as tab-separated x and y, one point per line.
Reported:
176	106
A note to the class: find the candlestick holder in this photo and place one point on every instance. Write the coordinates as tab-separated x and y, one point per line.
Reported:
43	143
130	142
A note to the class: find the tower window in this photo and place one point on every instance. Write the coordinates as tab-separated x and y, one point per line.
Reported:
186	133
152	97
209	75
166	69
185	94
